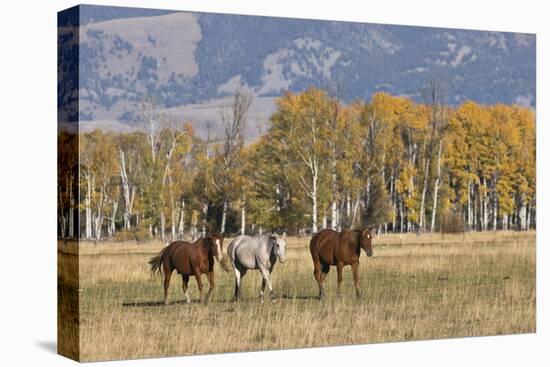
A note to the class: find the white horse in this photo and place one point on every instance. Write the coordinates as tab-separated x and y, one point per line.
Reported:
256	253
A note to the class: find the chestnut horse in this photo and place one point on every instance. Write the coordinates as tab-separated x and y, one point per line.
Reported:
189	259
329	248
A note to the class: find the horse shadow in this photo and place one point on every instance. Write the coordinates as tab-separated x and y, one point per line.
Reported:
161	304
288	296
154	303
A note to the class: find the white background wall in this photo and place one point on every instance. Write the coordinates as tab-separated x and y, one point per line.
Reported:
28	181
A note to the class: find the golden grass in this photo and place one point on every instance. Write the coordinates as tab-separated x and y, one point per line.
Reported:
414	288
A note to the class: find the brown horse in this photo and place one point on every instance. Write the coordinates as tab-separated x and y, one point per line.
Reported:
329	247
189	259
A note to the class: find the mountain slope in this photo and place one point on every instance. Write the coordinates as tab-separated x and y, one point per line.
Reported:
189	61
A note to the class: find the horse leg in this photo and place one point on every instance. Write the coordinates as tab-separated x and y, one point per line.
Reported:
210	276
354	269
263	286
167	276
265	275
199	284
262	291
184	286
317	274
237	285
324	271
339	268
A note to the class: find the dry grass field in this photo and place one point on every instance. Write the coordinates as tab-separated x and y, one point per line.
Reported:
415	287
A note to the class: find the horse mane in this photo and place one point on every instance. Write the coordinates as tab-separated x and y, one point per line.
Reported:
271	243
347	234
269	236
204	241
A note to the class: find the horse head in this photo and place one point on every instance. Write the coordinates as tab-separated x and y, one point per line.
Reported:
279	246
216	245
365	242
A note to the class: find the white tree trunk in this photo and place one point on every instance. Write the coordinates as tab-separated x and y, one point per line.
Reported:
408	220
181	226
469	217
87	208
495	210
485	216
423	197
193	227
173	217
173	222
434	207
71	212
126	194
333	215
224	215
98	226
392	200
112	225
474	209
355	210
528	220
348	209
314	203
437	184
522	215
334	184
152	137
204	218
99	215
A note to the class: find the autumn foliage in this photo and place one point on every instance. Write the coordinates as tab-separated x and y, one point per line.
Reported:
391	164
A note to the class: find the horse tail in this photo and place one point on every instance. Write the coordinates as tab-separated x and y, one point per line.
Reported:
229	265
226	264
156	262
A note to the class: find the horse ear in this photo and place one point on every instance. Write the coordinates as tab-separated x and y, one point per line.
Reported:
284	235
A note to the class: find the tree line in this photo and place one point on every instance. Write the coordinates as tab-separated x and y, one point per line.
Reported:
390	163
